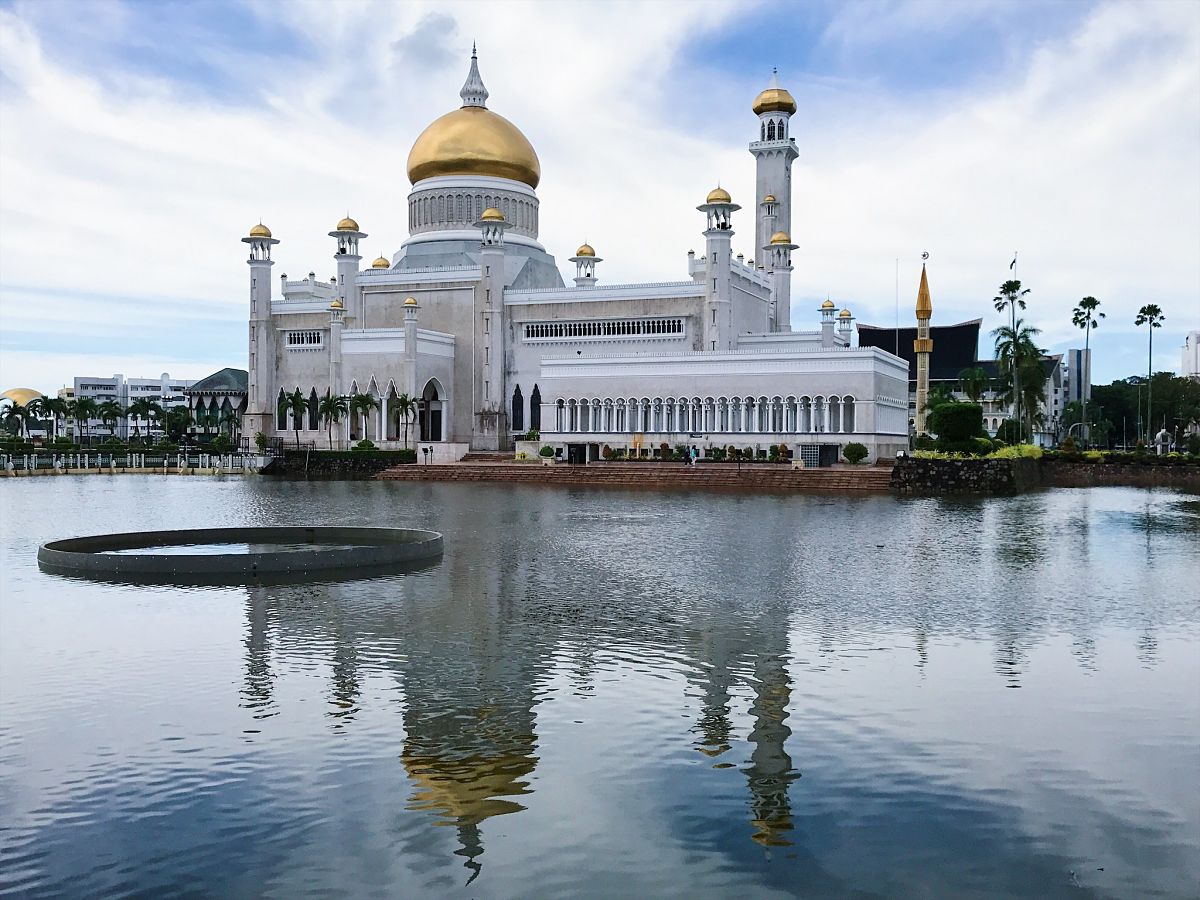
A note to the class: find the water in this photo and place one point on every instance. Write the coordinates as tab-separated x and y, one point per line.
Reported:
611	694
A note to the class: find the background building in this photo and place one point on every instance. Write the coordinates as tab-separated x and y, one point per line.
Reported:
165	390
1190	365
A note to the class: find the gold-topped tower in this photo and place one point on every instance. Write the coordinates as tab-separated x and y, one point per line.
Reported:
923	347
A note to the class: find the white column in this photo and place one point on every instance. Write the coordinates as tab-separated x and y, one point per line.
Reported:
842	416
383	412
826	429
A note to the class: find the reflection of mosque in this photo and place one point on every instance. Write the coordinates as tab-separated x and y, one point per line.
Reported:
472	671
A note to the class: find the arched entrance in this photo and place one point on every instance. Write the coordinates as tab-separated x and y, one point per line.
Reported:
431	412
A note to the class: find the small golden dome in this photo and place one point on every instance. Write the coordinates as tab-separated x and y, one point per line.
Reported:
585	250
780	237
260	230
347	224
474	140
410	301
770	198
774	99
718	195
381	262
336	304
21	396
491	214
845	314
828	304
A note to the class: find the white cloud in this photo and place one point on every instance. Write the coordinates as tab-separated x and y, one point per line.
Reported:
1088	163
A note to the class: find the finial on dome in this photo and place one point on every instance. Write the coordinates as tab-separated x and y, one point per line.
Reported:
473	92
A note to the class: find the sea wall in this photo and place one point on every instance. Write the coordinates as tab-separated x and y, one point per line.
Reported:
916	477
1069	473
336	464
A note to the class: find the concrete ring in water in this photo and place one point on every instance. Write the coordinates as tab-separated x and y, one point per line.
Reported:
272	553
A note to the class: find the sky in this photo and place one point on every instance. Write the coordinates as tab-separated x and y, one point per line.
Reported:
139	141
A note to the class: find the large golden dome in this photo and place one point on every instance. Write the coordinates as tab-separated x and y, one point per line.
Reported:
474	141
774	98
21	396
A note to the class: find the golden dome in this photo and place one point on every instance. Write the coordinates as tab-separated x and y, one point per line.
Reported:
260	230
770	198
381	262
718	195
21	396
474	140
780	237
336	304
774	99
491	214
347	224
828	304
410	301
845	314
585	250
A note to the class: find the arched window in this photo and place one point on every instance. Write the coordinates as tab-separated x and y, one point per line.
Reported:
518	410
771	130
281	412
535	409
313	424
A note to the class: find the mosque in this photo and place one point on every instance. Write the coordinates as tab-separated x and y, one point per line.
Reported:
472	319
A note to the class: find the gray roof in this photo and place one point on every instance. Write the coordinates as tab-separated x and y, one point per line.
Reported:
227	381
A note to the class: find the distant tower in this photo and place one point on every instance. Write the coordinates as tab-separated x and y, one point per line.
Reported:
585	260
923	347
778	253
774	152
717	330
347	236
260	386
490	428
844	324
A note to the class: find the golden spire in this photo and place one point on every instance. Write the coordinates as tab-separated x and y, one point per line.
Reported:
924	304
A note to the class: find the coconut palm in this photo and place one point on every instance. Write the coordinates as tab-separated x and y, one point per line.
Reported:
330	409
230	421
973	382
110	412
1087	316
1021	367
56	408
1010	299
176	421
14	417
83	410
1152	317
405	406
361	405
297	405
138	409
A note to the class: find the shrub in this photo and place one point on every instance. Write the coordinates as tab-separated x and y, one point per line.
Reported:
956	422
165	446
546	452
1020	451
855	453
924	442
221	444
607	452
1093	456
1193	444
1012	432
784	452
364	445
532	435
1069	445
261	441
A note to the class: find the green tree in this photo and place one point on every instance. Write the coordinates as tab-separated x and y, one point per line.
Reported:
230	422
83	410
405	406
110	412
973	382
330	409
361	405
142	408
1023	376
15	418
1152	317
56	408
1087	316
1011	298
298	407
176	421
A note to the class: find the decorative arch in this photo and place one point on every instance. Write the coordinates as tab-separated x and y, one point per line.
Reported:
432	411
517	419
535	409
313	424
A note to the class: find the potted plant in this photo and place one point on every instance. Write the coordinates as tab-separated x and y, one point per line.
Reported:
547	455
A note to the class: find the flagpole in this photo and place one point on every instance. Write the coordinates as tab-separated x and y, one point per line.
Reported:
897	306
1012	268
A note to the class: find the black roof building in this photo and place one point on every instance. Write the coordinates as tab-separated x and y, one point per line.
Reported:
955	347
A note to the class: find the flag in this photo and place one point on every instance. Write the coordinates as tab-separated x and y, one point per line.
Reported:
1012	265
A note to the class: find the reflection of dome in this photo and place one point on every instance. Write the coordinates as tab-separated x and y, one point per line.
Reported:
780	237
491	214
774	99
21	396
381	263
260	230
718	195
585	250
474	141
468	789
347	224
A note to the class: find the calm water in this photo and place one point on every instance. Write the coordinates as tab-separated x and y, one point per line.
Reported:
611	694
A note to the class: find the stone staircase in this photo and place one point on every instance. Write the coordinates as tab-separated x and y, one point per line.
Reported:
839	479
492	456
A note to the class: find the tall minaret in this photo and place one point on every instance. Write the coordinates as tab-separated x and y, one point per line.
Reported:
347	256
773	153
923	347
490	430
717	327
260	385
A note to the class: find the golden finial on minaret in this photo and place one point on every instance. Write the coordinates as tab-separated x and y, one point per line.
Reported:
923	347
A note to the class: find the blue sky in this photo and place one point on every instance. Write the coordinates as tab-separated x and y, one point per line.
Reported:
142	139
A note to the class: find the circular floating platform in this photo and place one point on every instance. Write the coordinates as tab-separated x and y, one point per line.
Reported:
233	555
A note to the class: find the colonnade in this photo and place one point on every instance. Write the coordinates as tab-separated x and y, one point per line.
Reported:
695	415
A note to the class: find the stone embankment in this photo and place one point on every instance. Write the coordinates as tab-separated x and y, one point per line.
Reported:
918	477
337	464
1066	473
667	476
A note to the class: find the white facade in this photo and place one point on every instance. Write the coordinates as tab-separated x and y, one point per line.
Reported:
1190	363
164	389
472	318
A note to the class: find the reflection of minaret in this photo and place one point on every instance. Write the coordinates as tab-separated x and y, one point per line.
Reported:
923	347
257	689
770	771
345	688
714	726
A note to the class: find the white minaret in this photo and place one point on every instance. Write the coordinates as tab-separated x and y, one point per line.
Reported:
585	260
774	152
347	236
778	253
717	331
490	430
260	387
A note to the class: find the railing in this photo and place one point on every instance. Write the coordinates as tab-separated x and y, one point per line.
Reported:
100	461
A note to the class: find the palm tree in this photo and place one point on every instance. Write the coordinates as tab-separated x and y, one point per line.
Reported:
83	410
1020	360
231	421
330	409
56	408
361	405
35	410
1087	316
973	382
109	412
405	405
139	408
14	415
297	405
1151	316
176	421
1011	298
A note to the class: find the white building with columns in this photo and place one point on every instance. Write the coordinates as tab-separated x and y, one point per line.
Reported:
472	319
